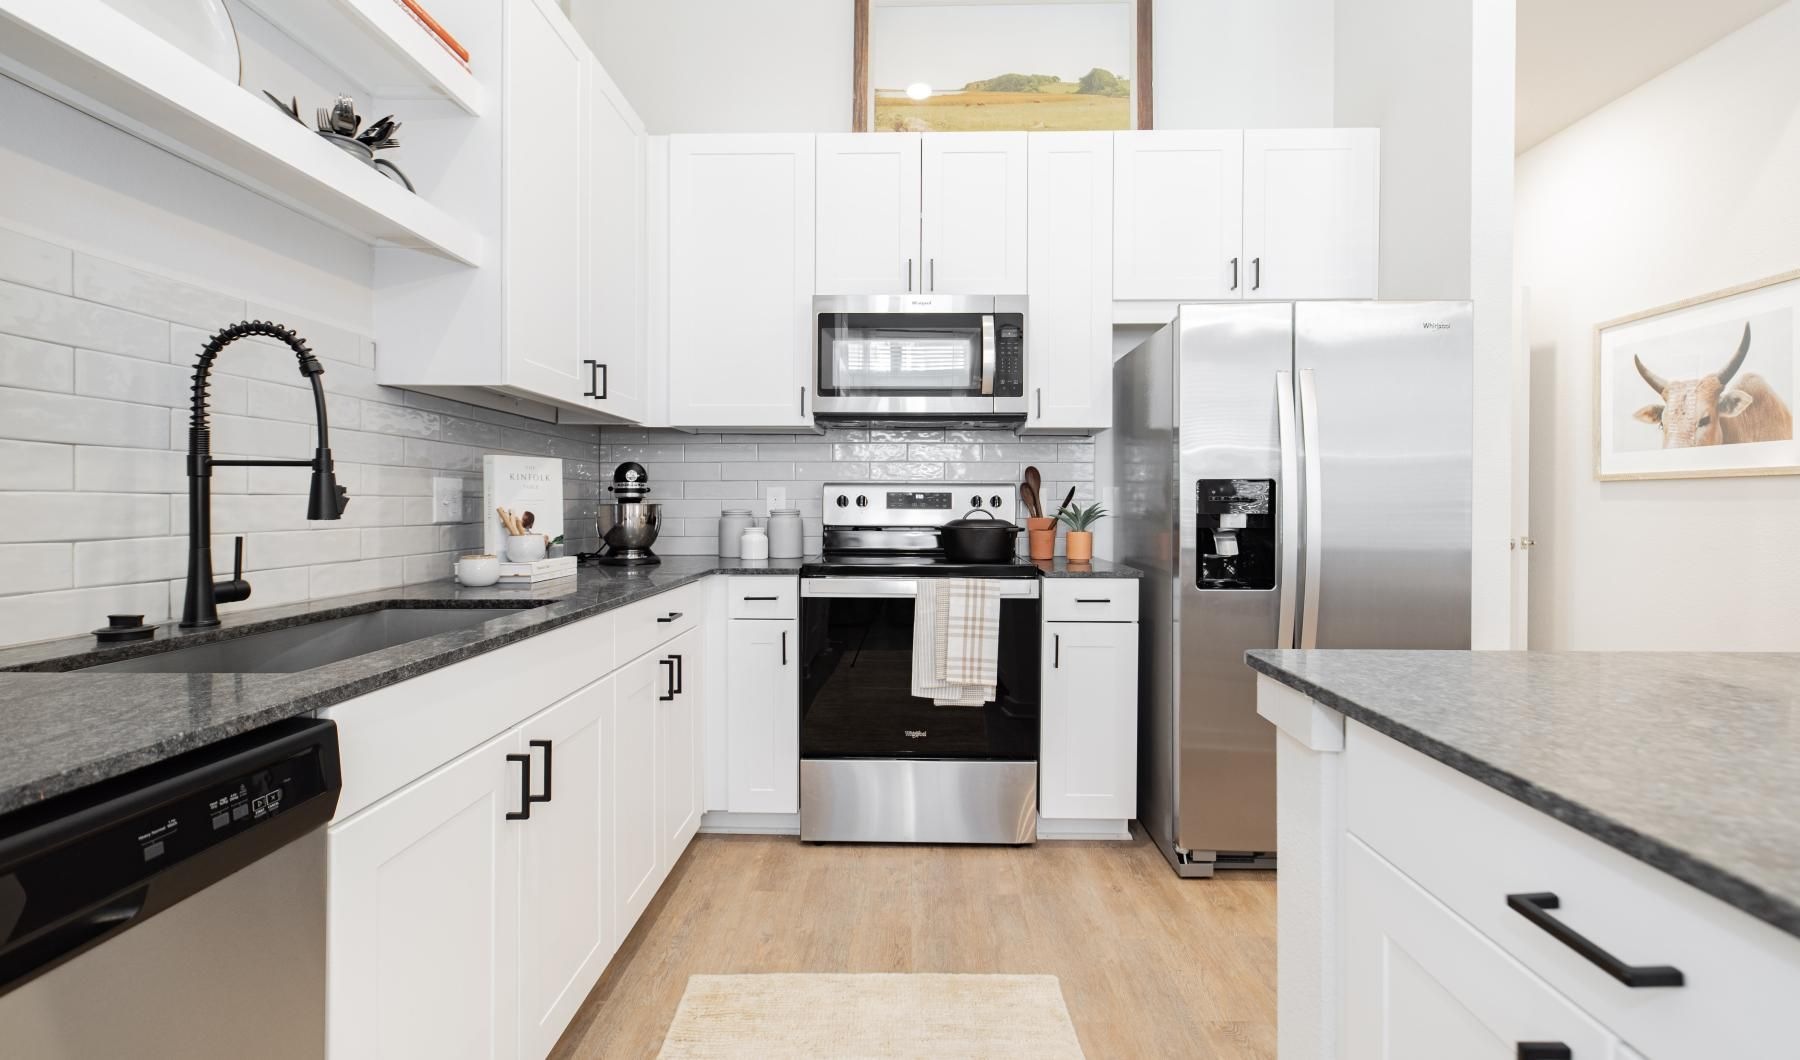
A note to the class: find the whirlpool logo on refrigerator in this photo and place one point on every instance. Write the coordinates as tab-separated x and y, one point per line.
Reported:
916	734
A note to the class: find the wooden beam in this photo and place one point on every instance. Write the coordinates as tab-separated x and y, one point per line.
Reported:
1141	77
859	68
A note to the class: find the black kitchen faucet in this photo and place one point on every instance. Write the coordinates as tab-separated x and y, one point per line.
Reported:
327	500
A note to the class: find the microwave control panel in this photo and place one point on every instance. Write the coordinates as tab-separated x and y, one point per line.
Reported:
1009	351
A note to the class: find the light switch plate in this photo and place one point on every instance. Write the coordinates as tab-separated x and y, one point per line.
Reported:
446	500
777	497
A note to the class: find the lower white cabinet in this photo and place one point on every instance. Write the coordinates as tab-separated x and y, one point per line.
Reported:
564	935
1422	984
631	787
763	716
1088	754
422	933
679	716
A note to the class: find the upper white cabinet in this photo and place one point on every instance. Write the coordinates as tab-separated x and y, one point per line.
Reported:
1311	207
972	230
1178	214
617	379
868	213
740	281
1069	218
1270	214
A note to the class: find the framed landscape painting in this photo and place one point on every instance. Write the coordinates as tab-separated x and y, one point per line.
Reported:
1001	65
1702	388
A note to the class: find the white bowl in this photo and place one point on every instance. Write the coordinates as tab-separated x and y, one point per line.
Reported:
477	571
525	548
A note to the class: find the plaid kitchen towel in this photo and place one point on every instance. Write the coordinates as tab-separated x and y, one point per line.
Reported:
935	621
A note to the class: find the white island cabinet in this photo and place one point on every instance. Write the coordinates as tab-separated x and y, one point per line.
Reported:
1424	914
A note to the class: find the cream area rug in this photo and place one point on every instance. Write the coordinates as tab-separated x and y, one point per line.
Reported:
867	1016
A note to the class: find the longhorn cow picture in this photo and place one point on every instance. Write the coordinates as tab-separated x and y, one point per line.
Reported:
1703	388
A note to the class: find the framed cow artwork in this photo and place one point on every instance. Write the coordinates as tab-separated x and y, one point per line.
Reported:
1702	388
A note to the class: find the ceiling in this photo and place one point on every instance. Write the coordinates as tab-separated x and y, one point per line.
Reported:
1576	56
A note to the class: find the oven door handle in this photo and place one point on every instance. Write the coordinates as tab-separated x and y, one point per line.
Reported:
989	354
855	587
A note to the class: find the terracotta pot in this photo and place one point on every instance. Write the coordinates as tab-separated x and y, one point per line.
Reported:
1080	546
1042	535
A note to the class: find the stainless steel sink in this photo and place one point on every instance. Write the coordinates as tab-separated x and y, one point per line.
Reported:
303	647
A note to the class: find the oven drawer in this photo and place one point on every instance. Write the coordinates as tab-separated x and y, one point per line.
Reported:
1091	600
762	596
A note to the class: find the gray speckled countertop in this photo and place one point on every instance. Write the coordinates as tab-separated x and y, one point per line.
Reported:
1689	762
1060	567
62	730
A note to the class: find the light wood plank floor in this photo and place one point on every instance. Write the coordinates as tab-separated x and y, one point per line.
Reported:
1151	965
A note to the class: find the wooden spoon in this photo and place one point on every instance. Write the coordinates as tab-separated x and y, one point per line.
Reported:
1031	500
1036	482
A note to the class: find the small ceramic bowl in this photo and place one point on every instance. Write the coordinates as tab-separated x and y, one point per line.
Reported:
525	548
476	571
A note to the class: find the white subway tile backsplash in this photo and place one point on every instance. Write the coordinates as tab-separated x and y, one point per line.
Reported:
83	516
34	263
384	418
36	416
133	559
41	616
295	548
399	540
359	576
36	568
110	283
50	317
107	375
35	466
33	365
138	470
757	469
275	401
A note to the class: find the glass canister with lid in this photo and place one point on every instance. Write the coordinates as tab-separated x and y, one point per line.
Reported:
787	539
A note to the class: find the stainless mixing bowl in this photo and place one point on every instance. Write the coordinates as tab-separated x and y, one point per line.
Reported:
629	525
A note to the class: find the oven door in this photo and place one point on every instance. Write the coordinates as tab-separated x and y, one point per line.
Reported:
918	356
856	701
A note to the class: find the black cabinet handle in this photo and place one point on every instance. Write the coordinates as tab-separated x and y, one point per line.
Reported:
754	599
670	663
1056	657
1536	907
784	647
524	811
597	375
548	751
1234	274
679	674
1093	600
1544	1051
1256	274
670	617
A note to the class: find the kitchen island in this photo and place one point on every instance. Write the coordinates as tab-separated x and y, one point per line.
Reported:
1593	850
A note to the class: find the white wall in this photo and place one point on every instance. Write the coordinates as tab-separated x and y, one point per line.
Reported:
1436	76
784	65
1686	185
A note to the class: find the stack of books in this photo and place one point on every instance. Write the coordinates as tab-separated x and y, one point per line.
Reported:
547	569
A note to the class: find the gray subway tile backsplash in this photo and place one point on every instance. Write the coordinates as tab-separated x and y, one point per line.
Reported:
96	358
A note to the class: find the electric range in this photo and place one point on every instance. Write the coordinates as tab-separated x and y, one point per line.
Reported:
878	764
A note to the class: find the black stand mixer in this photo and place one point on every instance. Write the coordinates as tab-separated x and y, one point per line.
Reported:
629	525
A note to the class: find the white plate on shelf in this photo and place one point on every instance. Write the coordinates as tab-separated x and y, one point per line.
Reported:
202	28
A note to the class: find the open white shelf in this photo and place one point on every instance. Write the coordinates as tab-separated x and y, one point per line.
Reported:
380	44
94	58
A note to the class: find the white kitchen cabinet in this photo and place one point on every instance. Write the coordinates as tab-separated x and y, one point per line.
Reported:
616	382
763	716
678	745
1087	758
1423	984
422	930
1178	214
740	281
565	934
635	868
1311	211
868	213
972	201
1069	218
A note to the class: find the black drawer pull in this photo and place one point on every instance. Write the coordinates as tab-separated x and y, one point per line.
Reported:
670	617
784	647
548	751
1056	663
1544	1051
523	813
1093	599
670	663
761	599
1536	908
679	669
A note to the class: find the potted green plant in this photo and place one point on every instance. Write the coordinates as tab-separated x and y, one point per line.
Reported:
1080	521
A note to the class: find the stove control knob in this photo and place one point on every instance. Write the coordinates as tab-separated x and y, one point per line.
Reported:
994	501
862	501
843	501
975	502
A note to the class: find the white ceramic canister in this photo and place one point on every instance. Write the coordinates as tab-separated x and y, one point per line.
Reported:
786	539
731	528
754	544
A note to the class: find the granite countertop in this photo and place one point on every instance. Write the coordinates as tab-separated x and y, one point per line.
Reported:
1061	567
62	730
1688	762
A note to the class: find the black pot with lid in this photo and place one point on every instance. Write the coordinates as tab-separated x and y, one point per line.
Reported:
989	539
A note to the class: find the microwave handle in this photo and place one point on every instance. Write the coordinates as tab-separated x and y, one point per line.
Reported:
988	355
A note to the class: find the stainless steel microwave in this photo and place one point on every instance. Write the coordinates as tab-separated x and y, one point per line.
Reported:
921	357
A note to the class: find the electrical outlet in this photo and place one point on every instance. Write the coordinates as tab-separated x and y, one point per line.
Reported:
446	500
777	497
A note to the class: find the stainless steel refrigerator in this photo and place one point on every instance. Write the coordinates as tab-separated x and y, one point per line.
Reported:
1290	474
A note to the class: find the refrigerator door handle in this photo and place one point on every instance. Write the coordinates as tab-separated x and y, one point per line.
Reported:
1287	501
1315	510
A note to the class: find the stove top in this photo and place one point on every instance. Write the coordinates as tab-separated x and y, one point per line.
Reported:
911	565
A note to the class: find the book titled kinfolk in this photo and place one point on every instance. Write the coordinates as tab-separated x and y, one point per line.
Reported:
531	487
